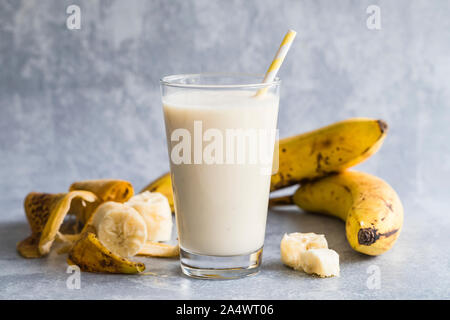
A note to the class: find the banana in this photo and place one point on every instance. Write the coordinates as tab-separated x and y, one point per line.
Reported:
329	149
371	209
322	262
105	190
155	209
293	244
162	250
120	228
163	185
313	154
91	255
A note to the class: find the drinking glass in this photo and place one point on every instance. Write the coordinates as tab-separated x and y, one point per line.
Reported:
221	133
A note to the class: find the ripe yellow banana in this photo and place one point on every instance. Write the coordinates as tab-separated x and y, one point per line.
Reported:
313	154
371	209
329	149
92	256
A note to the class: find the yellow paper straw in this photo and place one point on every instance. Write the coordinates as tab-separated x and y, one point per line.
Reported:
278	60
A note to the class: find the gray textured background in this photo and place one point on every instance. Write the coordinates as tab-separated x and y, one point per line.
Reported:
79	104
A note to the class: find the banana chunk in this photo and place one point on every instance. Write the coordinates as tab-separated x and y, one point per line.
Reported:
162	250
120	228
323	262
294	244
155	210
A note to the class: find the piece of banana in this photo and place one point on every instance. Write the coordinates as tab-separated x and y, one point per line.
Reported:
155	209
293	244
163	185
322	262
162	250
120	228
371	209
91	255
313	154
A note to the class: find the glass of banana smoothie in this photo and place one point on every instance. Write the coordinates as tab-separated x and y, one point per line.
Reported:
221	133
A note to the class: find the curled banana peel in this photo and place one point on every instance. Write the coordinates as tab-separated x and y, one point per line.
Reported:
91	255
45	213
371	209
313	154
161	250
105	190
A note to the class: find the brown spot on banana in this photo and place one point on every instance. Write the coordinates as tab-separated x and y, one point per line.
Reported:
318	165
368	236
383	126
326	143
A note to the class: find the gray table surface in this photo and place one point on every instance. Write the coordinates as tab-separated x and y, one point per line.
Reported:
417	266
85	104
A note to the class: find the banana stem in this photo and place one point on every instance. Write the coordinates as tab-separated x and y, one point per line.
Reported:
281	201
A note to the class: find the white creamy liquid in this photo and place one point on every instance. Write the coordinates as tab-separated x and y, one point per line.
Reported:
221	209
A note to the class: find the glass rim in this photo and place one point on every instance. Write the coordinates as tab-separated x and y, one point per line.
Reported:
170	80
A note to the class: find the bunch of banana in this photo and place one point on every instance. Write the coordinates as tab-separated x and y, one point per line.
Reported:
317	160
117	225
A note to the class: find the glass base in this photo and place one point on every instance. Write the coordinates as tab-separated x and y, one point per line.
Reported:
220	267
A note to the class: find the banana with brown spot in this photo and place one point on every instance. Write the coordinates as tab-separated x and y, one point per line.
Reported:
371	209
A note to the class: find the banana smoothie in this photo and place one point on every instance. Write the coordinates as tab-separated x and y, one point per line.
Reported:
216	141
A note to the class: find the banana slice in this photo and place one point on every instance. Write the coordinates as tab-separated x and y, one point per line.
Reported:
155	209
323	262
120	228
162	250
293	244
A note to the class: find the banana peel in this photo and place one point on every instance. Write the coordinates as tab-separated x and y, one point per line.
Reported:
313	154
90	255
105	190
29	247
45	213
